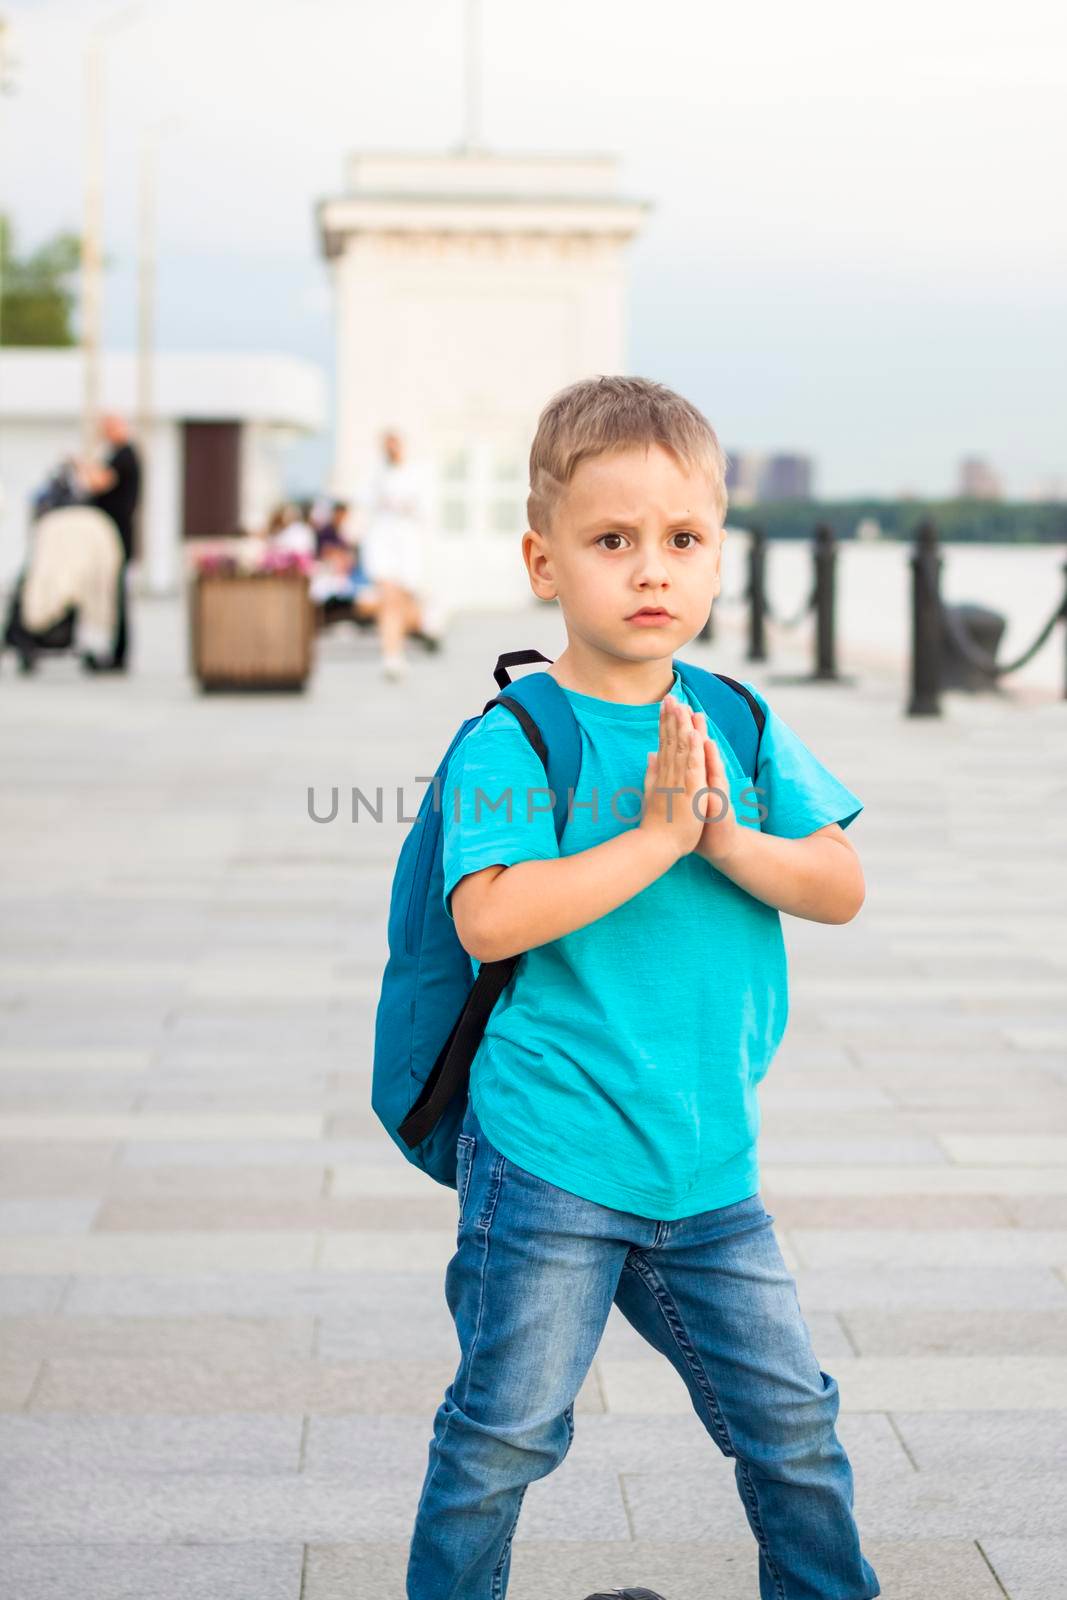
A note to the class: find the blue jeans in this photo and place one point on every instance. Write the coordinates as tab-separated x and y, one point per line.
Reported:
530	1287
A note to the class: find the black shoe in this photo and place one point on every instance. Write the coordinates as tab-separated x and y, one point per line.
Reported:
624	1594
91	663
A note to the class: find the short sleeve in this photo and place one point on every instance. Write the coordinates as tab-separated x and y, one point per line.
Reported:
496	806
800	794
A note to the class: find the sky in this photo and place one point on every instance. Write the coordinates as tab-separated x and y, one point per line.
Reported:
858	242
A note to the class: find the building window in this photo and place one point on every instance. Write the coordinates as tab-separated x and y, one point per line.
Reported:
454	517
481	487
506	517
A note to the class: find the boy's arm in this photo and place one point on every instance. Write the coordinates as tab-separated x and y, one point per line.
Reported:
501	911
818	876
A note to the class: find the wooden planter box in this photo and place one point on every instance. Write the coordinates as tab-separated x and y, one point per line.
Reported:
251	632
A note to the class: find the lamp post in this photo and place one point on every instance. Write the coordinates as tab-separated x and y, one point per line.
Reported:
7	84
146	314
92	260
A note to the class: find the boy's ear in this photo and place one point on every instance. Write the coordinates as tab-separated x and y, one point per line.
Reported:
536	556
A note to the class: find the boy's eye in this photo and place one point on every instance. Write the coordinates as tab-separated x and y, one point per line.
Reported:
682	533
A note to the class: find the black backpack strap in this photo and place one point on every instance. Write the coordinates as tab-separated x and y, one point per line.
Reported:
753	704
451	1071
527	723
515	658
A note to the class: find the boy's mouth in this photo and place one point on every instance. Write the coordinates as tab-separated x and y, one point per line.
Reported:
650	614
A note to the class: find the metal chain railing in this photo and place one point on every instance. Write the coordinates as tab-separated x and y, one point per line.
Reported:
792	622
973	653
934	624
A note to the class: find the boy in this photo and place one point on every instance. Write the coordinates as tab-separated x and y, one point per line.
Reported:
609	1148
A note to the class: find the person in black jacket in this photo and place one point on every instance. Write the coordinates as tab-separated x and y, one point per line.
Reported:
115	487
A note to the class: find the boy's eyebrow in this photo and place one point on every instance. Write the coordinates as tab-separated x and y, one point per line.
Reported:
683	520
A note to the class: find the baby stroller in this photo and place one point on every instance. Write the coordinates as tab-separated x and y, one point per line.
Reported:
28	646
64	595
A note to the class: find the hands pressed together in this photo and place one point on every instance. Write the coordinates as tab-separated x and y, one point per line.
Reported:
677	803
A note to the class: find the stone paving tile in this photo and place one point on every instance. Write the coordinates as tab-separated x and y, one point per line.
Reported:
414	1250
123	1570
398	1178
156	1252
941	1440
917	1181
799	1213
31	1094
183	1386
301	1507
150	1185
814	1152
211	1339
959	1505
912	1569
30	1295
1017	1150
991	1247
1028	1569
1038	1211
434	1210
969	1288
1005	1084
38	1215
29	1058
1029	1037
17	1377
240	1293
955	1332
54	1169
228	1154
162	1126
978	1065
160	1446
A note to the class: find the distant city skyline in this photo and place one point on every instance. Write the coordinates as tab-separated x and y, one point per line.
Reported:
801	278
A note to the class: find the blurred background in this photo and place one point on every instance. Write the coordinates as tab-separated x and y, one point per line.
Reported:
266	232
283	289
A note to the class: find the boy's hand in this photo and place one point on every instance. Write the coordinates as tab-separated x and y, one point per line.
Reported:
679	766
721	831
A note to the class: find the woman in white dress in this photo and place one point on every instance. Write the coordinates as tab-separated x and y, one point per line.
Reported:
392	550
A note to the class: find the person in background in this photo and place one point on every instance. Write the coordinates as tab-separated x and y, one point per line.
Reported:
392	550
289	529
114	487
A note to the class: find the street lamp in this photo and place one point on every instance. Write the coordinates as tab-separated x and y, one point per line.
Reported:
92	232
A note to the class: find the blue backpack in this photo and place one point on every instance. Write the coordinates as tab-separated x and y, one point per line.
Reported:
432	1011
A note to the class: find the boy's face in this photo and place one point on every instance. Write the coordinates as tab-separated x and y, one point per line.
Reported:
633	529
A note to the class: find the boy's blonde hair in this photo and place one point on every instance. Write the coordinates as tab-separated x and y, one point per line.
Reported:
597	415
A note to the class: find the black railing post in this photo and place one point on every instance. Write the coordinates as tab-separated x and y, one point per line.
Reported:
1065	630
926	629
757	556
825	553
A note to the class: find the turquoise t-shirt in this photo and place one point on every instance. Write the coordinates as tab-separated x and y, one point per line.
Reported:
621	1061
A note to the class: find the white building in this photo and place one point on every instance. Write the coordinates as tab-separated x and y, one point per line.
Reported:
222	425
469	288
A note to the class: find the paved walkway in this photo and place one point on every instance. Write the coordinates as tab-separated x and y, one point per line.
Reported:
223	1326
